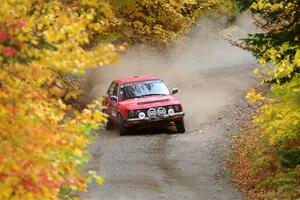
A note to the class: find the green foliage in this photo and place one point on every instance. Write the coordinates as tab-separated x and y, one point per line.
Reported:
290	158
244	4
67	193
279	45
280	180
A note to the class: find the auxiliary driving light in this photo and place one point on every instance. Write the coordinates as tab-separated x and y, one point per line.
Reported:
142	115
151	113
171	111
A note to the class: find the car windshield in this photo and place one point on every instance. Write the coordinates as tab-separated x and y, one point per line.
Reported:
142	89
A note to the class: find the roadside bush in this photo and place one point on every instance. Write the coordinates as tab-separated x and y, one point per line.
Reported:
290	158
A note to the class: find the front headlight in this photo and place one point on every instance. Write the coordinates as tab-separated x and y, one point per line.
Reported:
134	113
177	108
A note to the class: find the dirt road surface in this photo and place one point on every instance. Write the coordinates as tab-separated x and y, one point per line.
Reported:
212	77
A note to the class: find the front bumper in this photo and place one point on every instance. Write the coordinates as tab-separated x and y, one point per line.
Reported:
167	117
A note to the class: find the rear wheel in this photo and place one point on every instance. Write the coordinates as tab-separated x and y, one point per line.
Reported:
180	126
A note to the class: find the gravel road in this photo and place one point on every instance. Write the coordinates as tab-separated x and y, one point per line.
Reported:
212	77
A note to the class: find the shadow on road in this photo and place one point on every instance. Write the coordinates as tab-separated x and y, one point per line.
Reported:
147	131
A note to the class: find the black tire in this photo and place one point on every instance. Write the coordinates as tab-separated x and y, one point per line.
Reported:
109	125
180	126
123	130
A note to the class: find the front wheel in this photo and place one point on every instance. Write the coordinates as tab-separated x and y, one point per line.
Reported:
180	126
122	128
109	125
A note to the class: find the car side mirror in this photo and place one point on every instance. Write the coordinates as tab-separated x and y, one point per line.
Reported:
113	98
174	90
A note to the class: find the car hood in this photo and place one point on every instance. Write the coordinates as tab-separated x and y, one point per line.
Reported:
148	102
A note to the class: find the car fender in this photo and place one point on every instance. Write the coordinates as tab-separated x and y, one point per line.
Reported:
123	111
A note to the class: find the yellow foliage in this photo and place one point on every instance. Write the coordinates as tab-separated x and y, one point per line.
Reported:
278	52
254	97
43	139
158	22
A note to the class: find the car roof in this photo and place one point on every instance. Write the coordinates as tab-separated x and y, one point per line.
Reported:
135	79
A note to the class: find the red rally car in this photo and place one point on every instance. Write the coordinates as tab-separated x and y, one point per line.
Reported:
141	101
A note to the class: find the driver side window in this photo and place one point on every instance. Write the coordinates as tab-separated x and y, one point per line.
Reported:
113	90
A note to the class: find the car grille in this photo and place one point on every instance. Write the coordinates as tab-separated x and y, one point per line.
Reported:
158	111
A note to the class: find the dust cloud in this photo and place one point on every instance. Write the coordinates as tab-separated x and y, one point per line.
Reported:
208	71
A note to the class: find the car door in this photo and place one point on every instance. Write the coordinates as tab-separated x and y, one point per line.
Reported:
111	100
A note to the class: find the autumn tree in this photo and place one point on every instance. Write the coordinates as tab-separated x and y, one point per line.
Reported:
43	138
158	22
277	48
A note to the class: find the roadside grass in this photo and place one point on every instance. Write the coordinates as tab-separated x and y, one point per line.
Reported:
260	170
